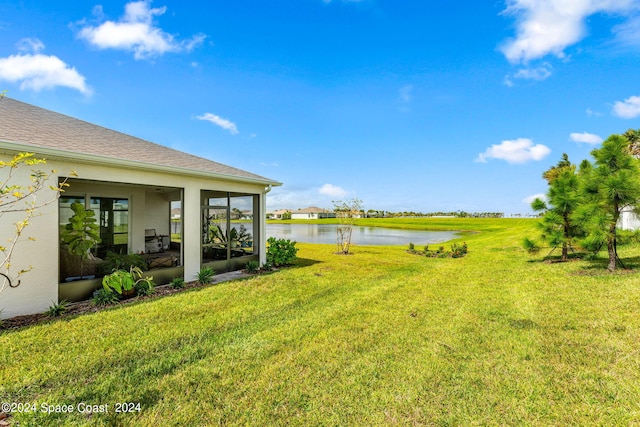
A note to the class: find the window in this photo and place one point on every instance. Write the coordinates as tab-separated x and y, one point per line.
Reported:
227	225
113	219
112	215
242	223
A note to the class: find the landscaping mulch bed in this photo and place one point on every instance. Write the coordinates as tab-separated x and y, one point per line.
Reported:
83	307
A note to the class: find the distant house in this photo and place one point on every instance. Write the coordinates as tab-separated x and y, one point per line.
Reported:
351	214
279	214
312	213
132	185
629	220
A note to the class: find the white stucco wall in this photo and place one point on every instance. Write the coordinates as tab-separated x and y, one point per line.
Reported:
39	287
629	221
304	215
158	211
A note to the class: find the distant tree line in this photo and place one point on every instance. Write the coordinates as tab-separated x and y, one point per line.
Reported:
372	213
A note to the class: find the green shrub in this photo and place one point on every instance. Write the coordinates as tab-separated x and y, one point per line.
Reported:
205	275
104	297
177	283
57	310
458	251
412	247
281	252
145	286
252	266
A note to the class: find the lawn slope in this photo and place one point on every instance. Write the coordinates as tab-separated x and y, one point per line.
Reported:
380	337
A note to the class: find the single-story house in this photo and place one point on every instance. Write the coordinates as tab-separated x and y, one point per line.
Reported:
278	214
134	187
312	213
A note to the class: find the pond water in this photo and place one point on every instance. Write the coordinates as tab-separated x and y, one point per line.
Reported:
326	233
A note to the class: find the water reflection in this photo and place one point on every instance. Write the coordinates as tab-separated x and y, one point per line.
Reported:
326	233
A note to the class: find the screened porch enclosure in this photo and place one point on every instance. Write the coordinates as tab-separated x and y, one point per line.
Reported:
148	221
131	219
230	228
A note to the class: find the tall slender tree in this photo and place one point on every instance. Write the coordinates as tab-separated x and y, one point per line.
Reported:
563	198
346	212
610	185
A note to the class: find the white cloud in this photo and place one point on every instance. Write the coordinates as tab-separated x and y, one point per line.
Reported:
530	199
332	190
550	26
584	137
136	32
593	113
219	121
540	73
30	45
297	198
628	33
194	42
521	150
36	71
627	109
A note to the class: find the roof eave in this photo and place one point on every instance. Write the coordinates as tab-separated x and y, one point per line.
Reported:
132	164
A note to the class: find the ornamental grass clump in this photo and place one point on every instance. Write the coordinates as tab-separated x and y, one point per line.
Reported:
205	275
252	267
177	283
57	310
104	297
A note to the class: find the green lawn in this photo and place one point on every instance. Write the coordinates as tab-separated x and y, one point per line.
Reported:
380	337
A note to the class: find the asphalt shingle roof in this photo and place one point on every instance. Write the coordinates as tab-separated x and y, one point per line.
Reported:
34	126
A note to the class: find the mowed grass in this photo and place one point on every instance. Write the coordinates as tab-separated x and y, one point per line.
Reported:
380	337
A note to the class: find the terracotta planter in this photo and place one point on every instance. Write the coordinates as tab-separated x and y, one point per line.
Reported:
128	293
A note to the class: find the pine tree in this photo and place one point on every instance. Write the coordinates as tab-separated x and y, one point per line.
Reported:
563	198
609	186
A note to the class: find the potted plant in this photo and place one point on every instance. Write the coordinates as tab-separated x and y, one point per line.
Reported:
81	233
124	282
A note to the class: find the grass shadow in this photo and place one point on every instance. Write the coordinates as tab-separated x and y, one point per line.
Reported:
552	259
599	266
304	262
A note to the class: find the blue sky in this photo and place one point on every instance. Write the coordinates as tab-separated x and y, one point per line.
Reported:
408	105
